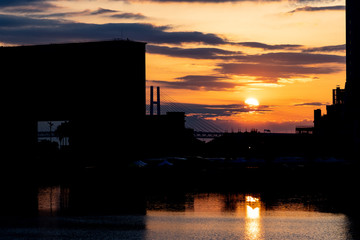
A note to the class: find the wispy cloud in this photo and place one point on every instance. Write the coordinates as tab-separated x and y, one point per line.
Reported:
200	82
11	3
265	46
272	73
332	48
310	104
87	12
207	111
125	15
194	53
222	1
287	58
27	6
318	9
28	30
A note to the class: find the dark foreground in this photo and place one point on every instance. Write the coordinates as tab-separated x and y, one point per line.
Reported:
175	202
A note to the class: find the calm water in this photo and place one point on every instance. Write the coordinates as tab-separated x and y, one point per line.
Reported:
248	216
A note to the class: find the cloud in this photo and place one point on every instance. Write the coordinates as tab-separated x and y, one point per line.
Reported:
285	58
11	3
310	104
200	82
198	1
332	48
17	24
25	5
271	67
87	12
221	1
100	11
292	58
202	117
268	46
27	30
125	15
318	9
266	68
195	53
271	73
207	111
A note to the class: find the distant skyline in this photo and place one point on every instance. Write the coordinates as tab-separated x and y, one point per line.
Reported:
210	55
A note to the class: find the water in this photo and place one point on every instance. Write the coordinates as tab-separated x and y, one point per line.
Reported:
177	216
245	216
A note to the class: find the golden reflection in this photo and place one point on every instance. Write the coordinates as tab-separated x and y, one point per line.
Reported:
252	213
251	199
252	220
52	199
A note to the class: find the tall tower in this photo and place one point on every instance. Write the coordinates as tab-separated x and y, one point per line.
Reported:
352	87
352	51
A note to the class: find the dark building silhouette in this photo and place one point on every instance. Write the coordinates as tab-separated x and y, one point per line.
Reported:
166	135
352	50
99	87
333	123
352	86
342	122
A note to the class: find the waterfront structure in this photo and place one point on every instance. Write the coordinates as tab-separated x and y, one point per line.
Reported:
352	86
97	86
342	122
333	123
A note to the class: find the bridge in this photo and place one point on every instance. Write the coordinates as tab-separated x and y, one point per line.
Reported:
200	134
46	134
196	119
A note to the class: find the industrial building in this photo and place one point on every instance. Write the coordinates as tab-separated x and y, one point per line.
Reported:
352	86
97	86
334	122
341	124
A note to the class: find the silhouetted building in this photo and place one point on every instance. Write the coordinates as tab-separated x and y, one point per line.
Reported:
342	122
333	123
353	71
304	130
166	135
263	145
99	87
352	50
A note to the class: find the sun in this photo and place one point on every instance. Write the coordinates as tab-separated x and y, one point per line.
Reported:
252	102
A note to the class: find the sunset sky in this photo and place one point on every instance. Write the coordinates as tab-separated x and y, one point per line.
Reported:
210	55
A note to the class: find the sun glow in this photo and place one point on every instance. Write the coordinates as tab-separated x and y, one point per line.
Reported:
252	102
251	199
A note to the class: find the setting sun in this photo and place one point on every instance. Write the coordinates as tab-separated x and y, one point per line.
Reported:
252	102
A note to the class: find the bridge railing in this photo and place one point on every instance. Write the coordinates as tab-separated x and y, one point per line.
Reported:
201	134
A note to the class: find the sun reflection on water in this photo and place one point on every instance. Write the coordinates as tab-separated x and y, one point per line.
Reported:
252	213
251	199
252	219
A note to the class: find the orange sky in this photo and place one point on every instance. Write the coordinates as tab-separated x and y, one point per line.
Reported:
288	54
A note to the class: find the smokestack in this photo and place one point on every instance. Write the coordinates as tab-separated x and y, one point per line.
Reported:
158	101
152	102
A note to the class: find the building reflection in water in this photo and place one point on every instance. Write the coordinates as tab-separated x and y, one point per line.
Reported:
52	200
